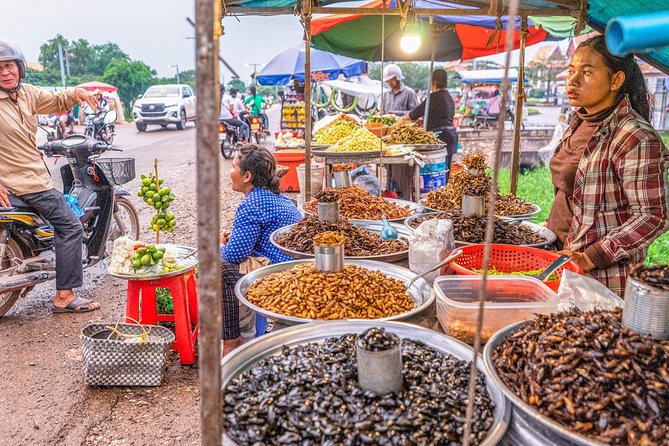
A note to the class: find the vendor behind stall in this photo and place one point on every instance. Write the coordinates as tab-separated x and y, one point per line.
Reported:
440	117
401	99
263	210
610	169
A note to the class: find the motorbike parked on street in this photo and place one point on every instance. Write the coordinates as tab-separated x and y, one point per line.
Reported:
229	137
96	126
93	188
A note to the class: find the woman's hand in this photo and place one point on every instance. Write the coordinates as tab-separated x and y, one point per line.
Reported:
580	258
224	237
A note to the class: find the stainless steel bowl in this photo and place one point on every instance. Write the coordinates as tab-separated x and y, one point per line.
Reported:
420	291
530	424
269	345
527	216
546	233
370	226
182	251
416	207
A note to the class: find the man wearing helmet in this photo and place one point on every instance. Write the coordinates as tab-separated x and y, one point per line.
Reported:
401	99
23	172
103	104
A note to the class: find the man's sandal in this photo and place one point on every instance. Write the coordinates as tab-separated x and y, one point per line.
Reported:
78	305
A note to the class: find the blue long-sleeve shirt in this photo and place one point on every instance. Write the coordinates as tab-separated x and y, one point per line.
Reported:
259	214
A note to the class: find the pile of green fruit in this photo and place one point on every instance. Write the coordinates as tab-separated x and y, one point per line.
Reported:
382	119
148	255
159	197
163	221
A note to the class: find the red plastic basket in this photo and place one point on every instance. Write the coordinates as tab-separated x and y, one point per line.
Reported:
510	258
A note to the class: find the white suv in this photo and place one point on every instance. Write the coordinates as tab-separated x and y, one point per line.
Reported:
163	105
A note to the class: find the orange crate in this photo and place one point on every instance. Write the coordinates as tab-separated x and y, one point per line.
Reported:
508	259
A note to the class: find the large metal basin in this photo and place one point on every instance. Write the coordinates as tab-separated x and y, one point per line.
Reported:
269	345
420	291
415	207
546	233
370	226
528	425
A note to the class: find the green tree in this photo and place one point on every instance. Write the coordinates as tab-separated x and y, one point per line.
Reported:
48	52
44	78
543	73
237	83
80	55
130	77
185	77
106	54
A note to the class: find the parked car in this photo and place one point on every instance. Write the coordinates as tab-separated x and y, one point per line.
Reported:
164	105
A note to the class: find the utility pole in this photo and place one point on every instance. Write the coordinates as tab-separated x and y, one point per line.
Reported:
255	70
67	63
62	67
177	67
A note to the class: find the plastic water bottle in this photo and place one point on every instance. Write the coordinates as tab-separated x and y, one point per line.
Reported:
73	202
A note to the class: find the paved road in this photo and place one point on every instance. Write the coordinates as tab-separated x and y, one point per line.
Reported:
43	399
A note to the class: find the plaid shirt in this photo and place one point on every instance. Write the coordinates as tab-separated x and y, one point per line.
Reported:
621	192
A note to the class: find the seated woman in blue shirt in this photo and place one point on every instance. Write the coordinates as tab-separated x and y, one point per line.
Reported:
263	210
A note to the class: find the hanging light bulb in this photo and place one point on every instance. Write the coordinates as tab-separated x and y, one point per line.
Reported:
411	40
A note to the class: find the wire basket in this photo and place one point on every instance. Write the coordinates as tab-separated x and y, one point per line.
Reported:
117	170
510	258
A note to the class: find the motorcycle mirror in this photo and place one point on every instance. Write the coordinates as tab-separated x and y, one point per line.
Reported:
73	140
110	117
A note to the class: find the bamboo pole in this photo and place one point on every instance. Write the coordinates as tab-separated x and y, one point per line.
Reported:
306	19
155	169
520	98
207	31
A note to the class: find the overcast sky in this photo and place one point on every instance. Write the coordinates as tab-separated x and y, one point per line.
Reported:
153	31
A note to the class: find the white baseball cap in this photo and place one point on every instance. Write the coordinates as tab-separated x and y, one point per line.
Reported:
392	71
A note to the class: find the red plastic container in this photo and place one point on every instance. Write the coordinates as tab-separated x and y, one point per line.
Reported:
508	259
290	158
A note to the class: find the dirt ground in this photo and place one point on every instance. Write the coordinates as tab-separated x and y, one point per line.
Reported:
43	398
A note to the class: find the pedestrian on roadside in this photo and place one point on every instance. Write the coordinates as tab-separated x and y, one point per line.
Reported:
263	210
23	173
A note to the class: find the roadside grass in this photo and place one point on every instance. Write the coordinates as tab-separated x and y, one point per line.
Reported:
535	185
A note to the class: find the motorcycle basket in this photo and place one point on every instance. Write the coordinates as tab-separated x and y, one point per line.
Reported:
117	170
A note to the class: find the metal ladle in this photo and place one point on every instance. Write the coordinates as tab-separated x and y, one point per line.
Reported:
448	259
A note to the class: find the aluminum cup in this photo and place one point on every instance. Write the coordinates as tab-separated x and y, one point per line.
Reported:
380	372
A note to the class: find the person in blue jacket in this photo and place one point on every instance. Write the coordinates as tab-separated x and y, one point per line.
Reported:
263	210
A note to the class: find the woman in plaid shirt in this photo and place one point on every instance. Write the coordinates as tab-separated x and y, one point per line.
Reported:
610	169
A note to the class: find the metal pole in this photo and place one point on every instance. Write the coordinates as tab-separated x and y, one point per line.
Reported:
307	100
207	31
429	79
67	64
62	67
520	98
178	75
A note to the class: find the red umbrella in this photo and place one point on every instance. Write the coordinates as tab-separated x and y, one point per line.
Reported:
95	85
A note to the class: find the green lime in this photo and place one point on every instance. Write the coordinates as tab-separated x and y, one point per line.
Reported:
152	186
157	255
150	202
149	193
161	215
172	223
165	198
140	193
162	249
169	217
165	205
172	196
161	222
137	264
170	229
165	191
160	181
146	260
146	181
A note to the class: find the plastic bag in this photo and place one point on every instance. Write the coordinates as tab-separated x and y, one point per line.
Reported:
370	183
430	244
584	293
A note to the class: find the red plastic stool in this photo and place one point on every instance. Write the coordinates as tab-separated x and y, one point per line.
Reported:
184	296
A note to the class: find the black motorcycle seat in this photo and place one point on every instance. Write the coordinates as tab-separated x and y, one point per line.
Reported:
17	202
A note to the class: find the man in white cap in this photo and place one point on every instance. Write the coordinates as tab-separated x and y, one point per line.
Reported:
401	99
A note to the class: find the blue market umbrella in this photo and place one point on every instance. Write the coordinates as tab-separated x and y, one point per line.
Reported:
289	65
